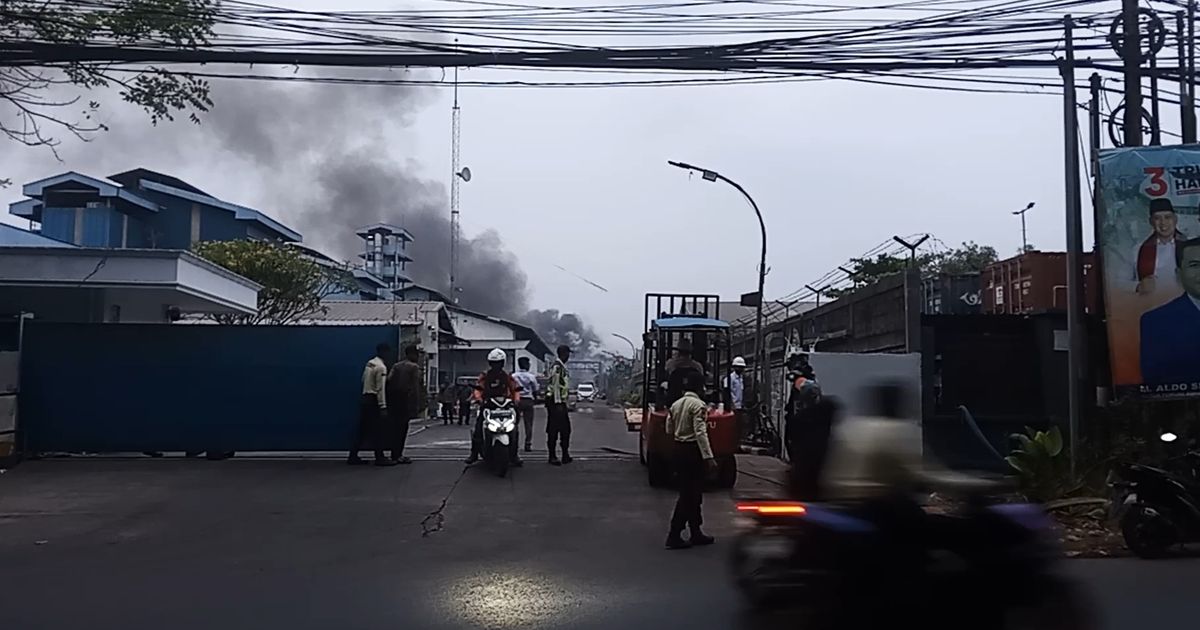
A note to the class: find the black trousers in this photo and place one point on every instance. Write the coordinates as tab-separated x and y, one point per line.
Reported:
525	410
464	411
558	428
689	471
371	429
398	422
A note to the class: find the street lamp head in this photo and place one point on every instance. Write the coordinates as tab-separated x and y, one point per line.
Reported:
710	176
705	174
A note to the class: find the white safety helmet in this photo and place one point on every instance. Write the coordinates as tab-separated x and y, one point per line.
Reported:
497	355
739	362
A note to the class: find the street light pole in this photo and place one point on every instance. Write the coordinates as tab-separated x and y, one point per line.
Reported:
629	341
1024	242
759	346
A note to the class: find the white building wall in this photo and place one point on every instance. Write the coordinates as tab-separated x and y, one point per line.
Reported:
474	328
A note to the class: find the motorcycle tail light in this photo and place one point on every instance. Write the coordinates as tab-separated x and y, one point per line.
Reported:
773	508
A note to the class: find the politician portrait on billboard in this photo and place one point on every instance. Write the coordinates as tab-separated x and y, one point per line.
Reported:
1149	231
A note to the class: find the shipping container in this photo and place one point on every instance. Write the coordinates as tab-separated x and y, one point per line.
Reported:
951	294
1034	282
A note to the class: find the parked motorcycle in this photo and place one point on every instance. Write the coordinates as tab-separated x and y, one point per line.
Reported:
996	567
499	434
1157	509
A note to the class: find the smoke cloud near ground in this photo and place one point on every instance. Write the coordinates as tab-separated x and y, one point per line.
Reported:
343	174
564	329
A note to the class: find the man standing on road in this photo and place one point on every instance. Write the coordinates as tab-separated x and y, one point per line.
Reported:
465	393
687	423
558	418
373	408
735	386
527	382
405	394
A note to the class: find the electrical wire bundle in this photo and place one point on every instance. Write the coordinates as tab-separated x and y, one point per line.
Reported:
965	45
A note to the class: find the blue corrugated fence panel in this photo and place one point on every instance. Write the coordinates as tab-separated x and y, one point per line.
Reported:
133	387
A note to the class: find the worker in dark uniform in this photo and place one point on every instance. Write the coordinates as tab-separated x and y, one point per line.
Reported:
677	369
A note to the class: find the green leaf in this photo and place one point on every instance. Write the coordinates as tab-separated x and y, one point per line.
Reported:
1017	465
1054	442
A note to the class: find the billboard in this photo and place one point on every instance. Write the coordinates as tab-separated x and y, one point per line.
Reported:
1149	236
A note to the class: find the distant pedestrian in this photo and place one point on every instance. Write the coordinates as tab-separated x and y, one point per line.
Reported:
447	400
687	423
528	383
558	417
465	393
735	388
406	398
373	408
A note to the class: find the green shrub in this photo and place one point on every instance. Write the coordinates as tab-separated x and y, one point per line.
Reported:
1041	465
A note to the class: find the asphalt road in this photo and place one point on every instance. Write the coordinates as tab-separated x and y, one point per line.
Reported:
311	543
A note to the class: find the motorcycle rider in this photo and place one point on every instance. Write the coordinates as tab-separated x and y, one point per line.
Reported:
494	383
875	467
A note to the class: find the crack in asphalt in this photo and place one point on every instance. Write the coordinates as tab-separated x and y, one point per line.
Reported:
433	522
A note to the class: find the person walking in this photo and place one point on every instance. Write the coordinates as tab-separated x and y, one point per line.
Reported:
687	423
528	384
373	408
406	394
558	417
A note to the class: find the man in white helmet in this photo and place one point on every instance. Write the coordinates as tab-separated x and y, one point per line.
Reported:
735	391
494	383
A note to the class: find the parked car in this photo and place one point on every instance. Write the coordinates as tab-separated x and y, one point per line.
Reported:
587	392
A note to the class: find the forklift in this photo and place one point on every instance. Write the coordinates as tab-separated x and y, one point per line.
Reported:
669	319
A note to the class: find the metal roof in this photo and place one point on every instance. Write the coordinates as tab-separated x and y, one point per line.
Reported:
13	236
239	212
386	228
690	322
374	311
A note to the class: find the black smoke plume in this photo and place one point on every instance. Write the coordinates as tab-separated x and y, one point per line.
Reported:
564	329
342	173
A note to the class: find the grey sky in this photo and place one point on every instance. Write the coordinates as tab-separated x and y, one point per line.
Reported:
578	177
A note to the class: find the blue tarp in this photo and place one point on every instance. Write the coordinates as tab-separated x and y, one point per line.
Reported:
689	322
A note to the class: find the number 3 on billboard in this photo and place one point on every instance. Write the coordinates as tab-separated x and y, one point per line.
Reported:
1158	185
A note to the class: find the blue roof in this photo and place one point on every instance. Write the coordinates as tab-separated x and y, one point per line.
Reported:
13	236
689	322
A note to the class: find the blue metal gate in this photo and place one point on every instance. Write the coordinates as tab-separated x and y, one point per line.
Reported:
156	387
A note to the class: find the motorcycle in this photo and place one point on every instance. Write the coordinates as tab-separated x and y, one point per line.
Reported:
1157	509
996	562
499	434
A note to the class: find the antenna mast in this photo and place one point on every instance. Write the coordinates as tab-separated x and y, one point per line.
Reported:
455	169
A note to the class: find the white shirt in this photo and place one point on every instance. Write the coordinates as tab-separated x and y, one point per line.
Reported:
527	382
1164	259
737	388
1194	299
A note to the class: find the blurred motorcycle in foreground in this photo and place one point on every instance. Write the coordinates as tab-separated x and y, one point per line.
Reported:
991	566
1157	509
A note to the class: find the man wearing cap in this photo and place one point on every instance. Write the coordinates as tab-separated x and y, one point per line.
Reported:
1154	258
735	388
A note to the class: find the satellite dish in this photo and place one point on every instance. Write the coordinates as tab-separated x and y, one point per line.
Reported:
465	174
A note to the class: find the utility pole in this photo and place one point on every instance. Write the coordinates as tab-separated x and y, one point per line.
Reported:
1186	62
1131	55
455	173
1076	362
